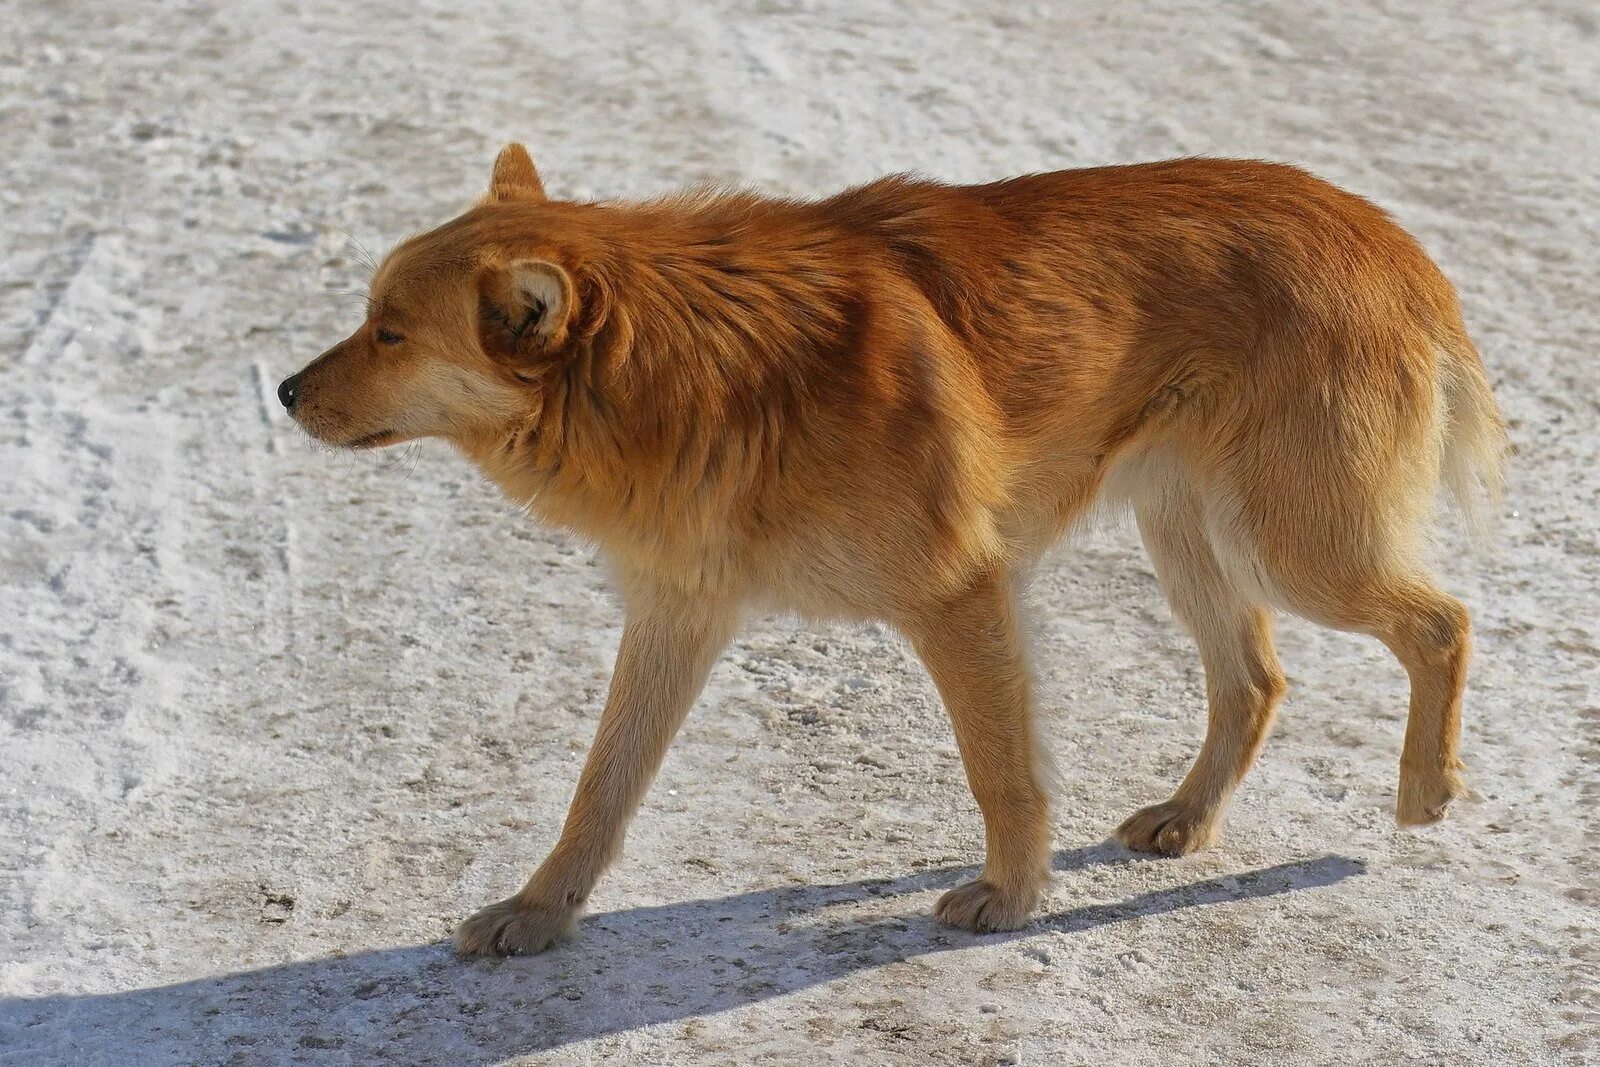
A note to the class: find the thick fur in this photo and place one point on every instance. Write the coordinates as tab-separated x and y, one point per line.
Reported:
888	403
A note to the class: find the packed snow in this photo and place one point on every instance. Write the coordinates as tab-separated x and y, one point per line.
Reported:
273	719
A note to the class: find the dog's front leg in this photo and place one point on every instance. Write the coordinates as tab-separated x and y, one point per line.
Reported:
668	646
973	646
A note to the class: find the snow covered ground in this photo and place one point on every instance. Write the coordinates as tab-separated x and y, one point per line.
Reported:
272	720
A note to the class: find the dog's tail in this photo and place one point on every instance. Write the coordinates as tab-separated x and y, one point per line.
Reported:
1475	445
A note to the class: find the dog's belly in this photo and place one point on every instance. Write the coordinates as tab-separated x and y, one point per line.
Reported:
899	557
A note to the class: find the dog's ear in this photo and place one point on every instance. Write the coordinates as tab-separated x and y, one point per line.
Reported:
514	176
524	309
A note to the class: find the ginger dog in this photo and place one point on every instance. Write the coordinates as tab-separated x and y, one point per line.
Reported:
888	403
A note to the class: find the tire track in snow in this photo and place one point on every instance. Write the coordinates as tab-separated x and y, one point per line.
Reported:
77	258
47	318
284	606
264	405
101	576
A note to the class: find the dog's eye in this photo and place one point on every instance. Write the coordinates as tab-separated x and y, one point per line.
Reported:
389	337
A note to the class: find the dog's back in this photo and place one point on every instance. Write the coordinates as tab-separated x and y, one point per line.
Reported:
910	380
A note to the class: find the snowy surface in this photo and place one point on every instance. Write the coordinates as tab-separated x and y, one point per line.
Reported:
272	720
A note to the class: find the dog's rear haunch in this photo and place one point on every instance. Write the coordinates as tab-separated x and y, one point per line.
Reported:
888	403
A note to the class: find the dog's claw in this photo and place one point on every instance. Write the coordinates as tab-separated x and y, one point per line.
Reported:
983	908
515	928
1169	829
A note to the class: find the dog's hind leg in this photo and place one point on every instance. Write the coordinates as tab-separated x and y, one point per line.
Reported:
1318	501
1243	680
1429	633
668	646
973	647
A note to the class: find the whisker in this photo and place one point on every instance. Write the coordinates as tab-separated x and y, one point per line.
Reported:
410	460
372	305
366	301
357	261
394	462
366	259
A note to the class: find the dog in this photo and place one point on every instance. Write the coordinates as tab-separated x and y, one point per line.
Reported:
888	403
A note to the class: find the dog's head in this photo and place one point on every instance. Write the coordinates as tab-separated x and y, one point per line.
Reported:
464	325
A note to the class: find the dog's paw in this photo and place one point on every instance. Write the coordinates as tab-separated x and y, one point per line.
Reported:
1170	828
1425	795
515	928
982	908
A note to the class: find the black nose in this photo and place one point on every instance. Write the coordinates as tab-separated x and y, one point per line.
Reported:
288	389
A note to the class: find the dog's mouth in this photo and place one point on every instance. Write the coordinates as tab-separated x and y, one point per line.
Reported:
374	440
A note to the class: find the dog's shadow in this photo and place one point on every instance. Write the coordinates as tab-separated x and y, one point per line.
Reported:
631	969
